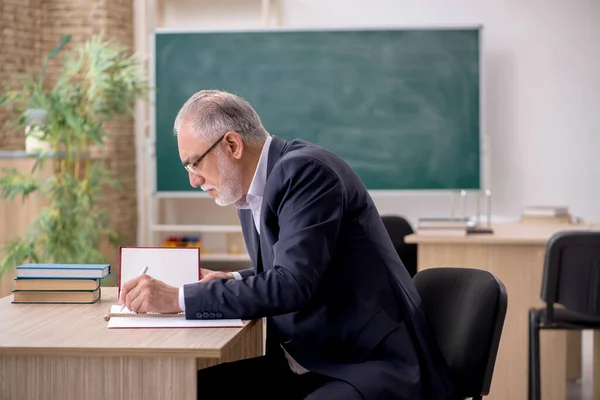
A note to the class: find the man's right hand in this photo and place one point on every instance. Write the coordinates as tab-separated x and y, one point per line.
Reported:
208	275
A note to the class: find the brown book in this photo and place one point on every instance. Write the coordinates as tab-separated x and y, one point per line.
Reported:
546	220
47	296
57	284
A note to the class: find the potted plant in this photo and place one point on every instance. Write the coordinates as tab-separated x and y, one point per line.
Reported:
98	81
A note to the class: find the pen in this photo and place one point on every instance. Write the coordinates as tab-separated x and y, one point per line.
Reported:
141	273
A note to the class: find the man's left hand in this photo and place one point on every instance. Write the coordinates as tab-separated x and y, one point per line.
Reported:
144	294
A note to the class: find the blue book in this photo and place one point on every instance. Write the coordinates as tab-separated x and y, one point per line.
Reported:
68	271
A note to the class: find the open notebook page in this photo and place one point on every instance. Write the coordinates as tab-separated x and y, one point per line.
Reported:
175	266
139	321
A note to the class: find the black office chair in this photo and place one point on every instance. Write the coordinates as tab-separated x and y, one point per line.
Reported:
466	309
572	280
397	228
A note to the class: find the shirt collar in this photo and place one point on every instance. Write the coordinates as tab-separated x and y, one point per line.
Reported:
259	180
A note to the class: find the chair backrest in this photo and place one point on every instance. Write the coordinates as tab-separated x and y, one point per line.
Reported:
397	228
572	272
466	309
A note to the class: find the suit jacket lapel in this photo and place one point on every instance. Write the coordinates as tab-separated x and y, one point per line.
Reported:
252	239
276	150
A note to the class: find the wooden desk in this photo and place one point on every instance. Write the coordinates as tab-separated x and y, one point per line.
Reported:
66	352
515	254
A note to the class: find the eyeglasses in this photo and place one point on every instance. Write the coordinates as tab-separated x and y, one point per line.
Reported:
192	167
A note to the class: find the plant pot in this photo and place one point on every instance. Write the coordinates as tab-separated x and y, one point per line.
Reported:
36	119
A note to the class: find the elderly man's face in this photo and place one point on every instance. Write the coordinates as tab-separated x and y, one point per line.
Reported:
217	173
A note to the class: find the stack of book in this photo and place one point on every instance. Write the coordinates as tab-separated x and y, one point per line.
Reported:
59	283
546	215
443	226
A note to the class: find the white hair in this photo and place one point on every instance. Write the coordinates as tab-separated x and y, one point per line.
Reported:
214	112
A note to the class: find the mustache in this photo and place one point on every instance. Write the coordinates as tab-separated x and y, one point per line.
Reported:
206	188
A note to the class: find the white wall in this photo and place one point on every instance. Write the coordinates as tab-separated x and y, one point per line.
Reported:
541	89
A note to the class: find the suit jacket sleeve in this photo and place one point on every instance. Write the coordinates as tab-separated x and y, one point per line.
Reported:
308	199
246	272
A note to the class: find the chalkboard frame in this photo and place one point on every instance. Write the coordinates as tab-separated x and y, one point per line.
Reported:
484	156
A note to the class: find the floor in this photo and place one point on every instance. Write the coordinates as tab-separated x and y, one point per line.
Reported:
583	390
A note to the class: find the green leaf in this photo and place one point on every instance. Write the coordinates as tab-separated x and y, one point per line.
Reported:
56	49
14	183
17	252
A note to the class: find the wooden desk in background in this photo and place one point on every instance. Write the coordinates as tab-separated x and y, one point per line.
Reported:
66	352
515	254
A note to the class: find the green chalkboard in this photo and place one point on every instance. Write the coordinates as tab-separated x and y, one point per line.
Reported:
400	106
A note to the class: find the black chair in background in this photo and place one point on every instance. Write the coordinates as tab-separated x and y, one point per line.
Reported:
466	309
397	228
572	280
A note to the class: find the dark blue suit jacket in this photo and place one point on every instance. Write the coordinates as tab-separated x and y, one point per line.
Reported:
329	281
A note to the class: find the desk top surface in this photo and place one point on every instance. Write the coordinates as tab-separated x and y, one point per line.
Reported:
80	329
506	233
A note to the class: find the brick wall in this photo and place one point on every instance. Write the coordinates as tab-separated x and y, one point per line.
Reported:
46	21
20	34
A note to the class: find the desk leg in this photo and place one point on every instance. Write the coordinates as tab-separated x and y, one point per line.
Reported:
96	378
596	366
574	355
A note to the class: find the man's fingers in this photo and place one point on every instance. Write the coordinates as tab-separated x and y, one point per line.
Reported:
132	295
217	275
204	273
137	305
127	287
